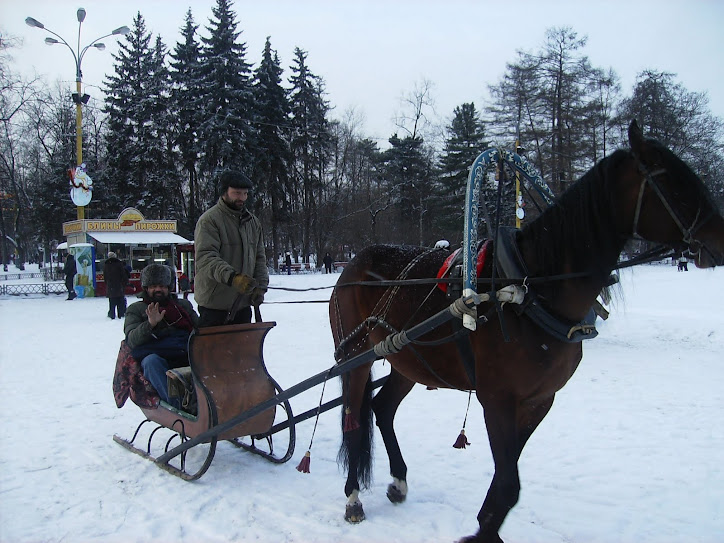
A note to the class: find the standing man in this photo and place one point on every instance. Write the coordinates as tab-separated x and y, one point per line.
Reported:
116	278
158	327
230	255
327	263
69	270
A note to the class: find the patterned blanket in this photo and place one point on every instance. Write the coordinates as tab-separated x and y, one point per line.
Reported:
128	380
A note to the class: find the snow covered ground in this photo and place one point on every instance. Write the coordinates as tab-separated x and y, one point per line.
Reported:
631	451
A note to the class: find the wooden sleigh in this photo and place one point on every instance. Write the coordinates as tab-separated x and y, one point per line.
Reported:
229	377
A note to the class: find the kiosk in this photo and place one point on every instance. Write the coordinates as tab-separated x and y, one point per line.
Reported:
137	242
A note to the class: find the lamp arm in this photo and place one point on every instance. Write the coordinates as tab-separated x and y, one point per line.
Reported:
82	51
75	57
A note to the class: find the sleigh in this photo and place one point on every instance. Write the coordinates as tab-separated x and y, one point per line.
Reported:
228	376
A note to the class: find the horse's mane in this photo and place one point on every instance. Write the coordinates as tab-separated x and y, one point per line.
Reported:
580	224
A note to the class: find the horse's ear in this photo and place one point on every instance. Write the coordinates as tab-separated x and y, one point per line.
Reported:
635	137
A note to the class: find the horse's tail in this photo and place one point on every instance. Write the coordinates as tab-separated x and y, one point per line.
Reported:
365	434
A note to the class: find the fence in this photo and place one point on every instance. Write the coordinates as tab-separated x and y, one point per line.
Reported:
46	275
32	288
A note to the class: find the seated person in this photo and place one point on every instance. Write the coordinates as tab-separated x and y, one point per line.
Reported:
157	329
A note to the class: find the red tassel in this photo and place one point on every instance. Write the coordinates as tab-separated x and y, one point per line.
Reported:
461	441
350	423
303	466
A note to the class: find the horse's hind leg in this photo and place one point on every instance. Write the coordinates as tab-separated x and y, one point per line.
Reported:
385	405
356	450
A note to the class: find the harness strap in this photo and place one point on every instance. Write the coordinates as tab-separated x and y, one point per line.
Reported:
465	349
687	233
637	214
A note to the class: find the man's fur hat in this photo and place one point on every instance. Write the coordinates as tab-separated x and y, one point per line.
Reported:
156	274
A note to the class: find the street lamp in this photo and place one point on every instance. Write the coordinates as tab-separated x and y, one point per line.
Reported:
78	98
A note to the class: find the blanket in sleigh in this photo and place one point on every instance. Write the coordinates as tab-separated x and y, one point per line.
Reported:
128	380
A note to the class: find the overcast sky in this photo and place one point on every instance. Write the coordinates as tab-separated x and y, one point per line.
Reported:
372	53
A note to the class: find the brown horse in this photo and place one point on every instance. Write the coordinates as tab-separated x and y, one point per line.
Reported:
567	255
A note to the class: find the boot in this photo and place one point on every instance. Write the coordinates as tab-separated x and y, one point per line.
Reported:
181	385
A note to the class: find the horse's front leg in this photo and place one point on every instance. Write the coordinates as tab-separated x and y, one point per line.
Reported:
385	406
509	426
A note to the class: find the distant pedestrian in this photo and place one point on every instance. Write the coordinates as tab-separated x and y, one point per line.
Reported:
69	270
116	278
683	263
288	263
327	263
184	285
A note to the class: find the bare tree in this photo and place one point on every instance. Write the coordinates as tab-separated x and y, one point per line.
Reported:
682	121
417	109
15	96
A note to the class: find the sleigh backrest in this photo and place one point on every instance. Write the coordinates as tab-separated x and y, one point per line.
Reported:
228	363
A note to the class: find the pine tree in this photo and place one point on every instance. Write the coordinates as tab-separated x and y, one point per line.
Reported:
408	173
465	141
309	144
272	153
129	135
162	194
225	127
184	103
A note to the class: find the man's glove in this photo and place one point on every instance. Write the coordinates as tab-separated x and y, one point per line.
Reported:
243	283
257	296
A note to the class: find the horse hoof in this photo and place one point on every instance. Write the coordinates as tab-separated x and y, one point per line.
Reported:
477	538
354	514
394	494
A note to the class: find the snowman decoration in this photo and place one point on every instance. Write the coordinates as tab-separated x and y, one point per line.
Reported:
81	186
519	212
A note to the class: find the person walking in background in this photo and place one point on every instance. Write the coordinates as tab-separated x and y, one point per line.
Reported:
69	270
116	278
683	263
327	263
288	263
230	255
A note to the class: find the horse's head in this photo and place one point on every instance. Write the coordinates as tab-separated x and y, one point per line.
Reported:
672	205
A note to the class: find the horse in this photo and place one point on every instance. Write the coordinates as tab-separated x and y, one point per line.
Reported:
514	362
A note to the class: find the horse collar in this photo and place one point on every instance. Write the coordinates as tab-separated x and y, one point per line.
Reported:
511	266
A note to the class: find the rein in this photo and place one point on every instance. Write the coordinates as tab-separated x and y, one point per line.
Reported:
652	255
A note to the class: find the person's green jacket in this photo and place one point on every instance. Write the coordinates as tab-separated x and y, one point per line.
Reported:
138	330
227	242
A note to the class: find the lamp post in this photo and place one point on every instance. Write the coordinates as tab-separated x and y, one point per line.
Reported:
78	98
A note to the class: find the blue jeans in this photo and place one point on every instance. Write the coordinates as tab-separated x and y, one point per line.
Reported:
154	369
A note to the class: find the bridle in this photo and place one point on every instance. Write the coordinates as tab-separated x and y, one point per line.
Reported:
694	246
